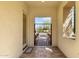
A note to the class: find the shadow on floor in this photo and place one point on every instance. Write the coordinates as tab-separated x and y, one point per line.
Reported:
44	52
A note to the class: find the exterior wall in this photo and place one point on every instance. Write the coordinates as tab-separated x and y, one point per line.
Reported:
11	29
68	46
41	11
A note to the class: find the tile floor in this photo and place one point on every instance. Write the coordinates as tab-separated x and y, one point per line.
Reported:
44	52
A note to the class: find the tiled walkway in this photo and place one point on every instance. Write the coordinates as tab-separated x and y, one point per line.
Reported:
44	52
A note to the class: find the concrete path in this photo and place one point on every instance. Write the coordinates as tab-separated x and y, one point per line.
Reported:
43	40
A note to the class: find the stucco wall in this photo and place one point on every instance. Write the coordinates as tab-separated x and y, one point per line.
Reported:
41	11
11	29
68	46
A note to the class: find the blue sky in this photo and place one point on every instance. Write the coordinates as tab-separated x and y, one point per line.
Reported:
42	19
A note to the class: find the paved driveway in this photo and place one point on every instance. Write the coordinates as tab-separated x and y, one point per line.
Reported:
43	39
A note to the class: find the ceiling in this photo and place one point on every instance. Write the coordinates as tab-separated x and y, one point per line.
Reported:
43	3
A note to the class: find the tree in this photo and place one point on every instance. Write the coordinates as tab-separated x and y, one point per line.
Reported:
40	29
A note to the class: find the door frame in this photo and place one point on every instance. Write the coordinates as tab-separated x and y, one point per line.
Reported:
51	30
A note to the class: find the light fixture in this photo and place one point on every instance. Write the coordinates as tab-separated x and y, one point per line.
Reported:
42	1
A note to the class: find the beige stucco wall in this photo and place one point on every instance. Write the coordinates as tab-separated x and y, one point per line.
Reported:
41	11
11	29
68	46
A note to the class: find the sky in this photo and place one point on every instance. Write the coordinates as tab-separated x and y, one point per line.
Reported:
42	19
